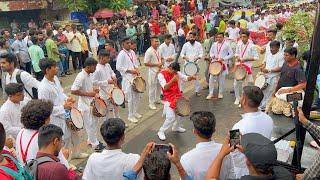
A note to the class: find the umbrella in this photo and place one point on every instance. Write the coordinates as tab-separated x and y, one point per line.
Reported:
103	13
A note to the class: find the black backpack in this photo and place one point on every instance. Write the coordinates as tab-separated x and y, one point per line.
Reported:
34	90
32	165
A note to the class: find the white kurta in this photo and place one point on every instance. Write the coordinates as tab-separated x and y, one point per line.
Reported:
10	117
93	39
167	52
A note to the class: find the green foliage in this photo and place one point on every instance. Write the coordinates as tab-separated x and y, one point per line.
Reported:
300	27
76	5
93	5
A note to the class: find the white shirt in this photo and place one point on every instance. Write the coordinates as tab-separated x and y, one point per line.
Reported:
247	51
83	82
10	114
109	164
167	52
93	39
172	28
27	79
192	51
274	61
268	51
181	32
262	23
233	33
152	56
75	44
221	50
33	147
126	60
53	92
253	26
101	76
197	161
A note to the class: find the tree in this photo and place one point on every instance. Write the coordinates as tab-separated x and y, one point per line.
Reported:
93	5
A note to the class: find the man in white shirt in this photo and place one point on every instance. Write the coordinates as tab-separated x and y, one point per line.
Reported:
83	87
127	65
50	89
262	22
197	161
252	25
34	115
111	163
172	27
192	51
154	62
93	39
246	52
271	36
10	111
271	69
221	52
8	62
167	50
105	78
253	121
168	79
233	31
74	37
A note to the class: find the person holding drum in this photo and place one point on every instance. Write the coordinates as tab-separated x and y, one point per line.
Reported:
127	65
192	52
167	50
168	79
154	62
220	54
106	79
271	72
50	89
83	87
246	52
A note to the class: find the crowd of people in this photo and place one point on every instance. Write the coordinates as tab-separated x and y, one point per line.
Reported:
38	136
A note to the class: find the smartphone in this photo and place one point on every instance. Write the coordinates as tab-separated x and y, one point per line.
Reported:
234	137
163	148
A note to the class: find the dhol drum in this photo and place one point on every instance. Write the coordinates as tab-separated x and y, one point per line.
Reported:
215	68
261	81
191	69
75	116
183	107
139	84
117	96
240	74
99	107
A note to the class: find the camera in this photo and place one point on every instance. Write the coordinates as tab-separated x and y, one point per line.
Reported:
294	97
163	148
234	137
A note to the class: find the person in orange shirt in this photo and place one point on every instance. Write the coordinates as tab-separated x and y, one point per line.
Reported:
104	31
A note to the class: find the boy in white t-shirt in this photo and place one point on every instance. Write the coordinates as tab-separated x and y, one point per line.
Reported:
233	31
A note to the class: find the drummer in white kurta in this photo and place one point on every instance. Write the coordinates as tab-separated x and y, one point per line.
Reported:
167	50
127	65
154	62
246	52
83	87
222	52
192	51
271	68
106	79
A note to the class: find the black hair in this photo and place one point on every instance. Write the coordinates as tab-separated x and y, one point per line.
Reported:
125	39
245	32
13	88
104	53
167	36
204	122
10	58
154	37
2	136
35	113
47	63
112	130
47	134
213	32
34	40
291	51
175	66
254	95
232	22
157	166
220	33
90	62
275	43
274	31
49	33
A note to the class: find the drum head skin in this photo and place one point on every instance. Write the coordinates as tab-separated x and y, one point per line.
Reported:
100	106
76	118
183	107
139	85
260	81
117	96
240	73
215	68
191	69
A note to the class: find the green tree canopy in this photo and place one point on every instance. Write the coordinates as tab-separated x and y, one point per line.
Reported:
93	5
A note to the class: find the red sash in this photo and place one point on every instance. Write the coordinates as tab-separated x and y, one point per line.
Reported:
25	154
173	93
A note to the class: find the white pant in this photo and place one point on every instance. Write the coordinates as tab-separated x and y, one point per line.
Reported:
133	101
170	118
221	79
94	52
238	84
90	124
113	110
154	90
267	92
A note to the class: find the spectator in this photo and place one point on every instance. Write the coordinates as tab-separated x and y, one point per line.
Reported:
61	41
74	37
111	163
93	39
53	52
84	47
36	53
197	161
20	49
261	159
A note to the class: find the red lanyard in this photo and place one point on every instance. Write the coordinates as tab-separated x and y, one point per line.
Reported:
218	50
158	56
24	154
129	55
245	49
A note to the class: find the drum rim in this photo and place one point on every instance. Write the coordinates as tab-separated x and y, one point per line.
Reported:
188	102
244	70
121	92
142	80
82	123
260	77
105	104
188	64
212	64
